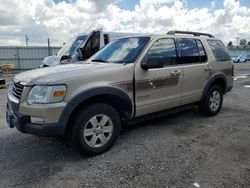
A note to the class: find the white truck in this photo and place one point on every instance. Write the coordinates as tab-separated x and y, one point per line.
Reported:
82	47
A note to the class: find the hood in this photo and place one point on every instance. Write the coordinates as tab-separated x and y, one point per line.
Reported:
57	73
51	60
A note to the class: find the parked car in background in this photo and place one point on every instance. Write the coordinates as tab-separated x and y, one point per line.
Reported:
248	57
239	58
67	50
83	47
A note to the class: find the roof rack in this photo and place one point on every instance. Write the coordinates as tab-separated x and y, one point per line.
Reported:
173	32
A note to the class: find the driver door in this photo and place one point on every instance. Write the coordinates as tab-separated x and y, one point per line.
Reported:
93	44
158	88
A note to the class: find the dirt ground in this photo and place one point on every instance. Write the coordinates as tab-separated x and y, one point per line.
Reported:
172	151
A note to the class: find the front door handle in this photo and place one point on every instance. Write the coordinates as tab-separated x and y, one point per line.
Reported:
208	68
175	72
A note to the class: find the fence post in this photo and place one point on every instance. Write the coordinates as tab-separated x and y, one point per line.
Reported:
49	50
18	58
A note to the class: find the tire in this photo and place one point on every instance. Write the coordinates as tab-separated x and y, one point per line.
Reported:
96	129
212	103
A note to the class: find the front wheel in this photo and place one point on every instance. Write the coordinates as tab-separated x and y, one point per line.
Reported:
212	103
96	129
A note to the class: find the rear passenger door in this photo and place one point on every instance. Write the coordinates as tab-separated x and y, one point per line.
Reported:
196	68
157	89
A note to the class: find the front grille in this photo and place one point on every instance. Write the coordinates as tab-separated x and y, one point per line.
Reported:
17	90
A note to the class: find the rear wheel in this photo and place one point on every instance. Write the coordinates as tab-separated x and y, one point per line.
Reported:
96	129
212	103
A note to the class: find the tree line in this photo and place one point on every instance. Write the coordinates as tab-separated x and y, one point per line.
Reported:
243	42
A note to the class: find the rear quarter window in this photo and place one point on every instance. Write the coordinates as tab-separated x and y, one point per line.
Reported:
219	50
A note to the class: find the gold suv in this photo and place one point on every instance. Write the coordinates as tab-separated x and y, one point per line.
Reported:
130	79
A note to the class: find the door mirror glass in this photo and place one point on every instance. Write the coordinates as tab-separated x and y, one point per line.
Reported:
152	63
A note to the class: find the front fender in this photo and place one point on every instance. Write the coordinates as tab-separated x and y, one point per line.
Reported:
89	93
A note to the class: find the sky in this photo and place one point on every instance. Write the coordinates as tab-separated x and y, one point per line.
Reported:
59	20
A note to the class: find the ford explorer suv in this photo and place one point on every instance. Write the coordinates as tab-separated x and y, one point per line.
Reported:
130	79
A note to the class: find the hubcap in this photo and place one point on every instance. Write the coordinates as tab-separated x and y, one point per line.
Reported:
214	101
98	130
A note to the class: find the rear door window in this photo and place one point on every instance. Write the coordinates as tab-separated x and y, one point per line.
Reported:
189	51
219	50
203	56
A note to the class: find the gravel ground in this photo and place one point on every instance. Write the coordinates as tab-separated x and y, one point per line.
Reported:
172	151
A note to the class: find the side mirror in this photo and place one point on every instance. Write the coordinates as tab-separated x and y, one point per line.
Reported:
80	54
152	63
64	57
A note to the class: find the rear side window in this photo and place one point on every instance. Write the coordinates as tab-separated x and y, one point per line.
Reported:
219	50
189	51
164	49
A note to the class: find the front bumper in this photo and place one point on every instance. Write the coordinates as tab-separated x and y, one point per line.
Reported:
24	125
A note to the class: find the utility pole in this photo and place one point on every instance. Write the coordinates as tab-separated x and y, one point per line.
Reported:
27	40
49	51
237	38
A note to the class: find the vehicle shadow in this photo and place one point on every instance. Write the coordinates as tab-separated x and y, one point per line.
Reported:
40	148
171	121
30	159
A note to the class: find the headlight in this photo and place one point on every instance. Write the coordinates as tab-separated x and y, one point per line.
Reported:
46	94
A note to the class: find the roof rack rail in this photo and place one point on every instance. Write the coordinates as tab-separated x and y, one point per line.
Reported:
173	32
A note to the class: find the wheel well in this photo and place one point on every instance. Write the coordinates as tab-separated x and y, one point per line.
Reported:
123	108
221	82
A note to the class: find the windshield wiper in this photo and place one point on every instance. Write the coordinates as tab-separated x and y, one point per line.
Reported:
99	60
126	62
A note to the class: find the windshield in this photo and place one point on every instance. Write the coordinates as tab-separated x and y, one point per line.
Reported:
124	50
70	47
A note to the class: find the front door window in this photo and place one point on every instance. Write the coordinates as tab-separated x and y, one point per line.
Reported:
165	50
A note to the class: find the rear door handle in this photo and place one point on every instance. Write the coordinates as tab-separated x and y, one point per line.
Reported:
208	68
175	72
